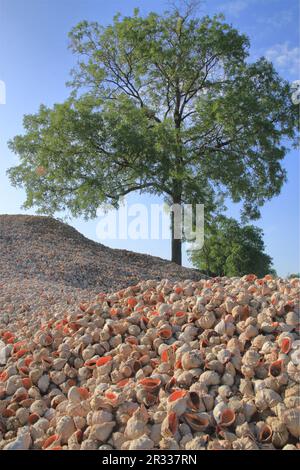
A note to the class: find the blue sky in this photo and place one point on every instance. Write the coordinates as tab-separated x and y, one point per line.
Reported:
35	64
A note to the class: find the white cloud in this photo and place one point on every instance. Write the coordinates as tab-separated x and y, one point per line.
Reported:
285	57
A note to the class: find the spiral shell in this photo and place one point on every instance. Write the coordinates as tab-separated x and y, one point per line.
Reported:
207	320
291	419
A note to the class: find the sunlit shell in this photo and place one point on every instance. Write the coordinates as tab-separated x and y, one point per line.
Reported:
197	421
169	425
267	398
150	385
207	320
264	433
291	419
224	416
280	433
177	402
191	360
210	364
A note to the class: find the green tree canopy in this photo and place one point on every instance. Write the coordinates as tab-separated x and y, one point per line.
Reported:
232	249
166	104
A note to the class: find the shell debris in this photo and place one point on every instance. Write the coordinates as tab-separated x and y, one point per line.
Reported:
207	364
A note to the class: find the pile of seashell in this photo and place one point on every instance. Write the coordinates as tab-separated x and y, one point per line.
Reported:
212	364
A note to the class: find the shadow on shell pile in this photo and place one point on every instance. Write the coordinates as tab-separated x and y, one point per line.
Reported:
189	365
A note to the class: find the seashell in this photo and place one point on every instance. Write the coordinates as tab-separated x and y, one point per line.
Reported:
118	439
280	433
251	332
169	425
51	441
160	363
215	365
22	442
180	318
249	409
244	443
43	383
198	422
75	440
251	358
151	385
191	360
291	418
295	355
224	416
145	397
285	344
188	334
167	355
22	415
126	411
77	394
246	387
209	378
266	398
39	407
5	352
264	432
136	425
194	401
259	341
57	377
225	392
224	356
236	312
244	430
276	368
141	443
293	370
155	434
77	409
224	328
65	428
292	319
198	443
164	308
220	328
247	371
227	379
207	320
165	333
168	443
89	444
33	418
215	445
177	402
113	398
13	383
102	431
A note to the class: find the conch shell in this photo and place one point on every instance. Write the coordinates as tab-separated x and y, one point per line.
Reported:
291	419
198	422
169	425
177	402
224	416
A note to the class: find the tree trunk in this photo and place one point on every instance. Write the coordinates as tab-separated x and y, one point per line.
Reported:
176	243
177	184
176	251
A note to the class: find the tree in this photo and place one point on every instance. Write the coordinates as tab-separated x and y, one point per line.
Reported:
232	249
165	104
